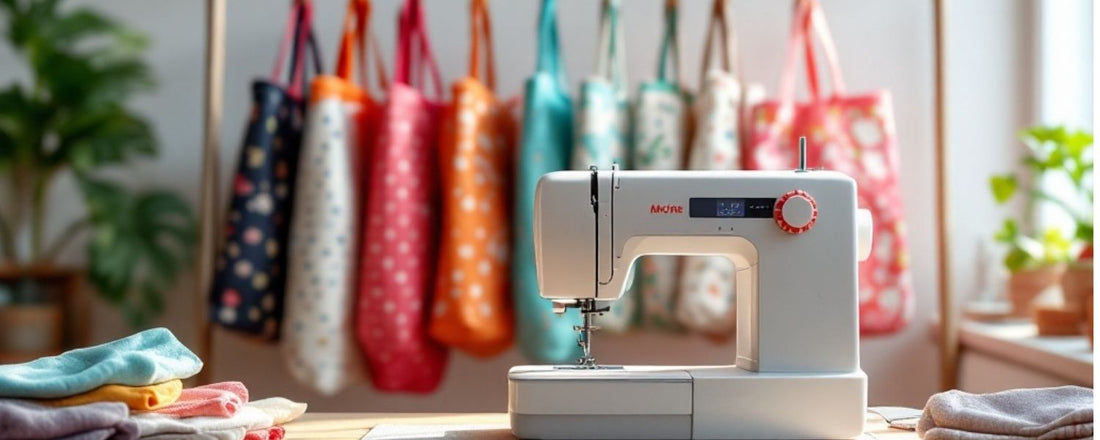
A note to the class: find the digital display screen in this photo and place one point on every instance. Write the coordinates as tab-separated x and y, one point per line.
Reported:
731	207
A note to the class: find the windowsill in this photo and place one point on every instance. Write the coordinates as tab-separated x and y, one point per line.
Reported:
1018	342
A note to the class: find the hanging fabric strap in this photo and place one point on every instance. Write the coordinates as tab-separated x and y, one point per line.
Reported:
809	18
414	53
721	29
816	21
611	53
481	33
356	33
298	38
670	46
549	56
290	32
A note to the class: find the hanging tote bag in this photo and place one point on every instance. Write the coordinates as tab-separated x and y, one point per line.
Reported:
603	119
250	276
547	135
603	130
472	308
321	267
400	223
853	134
706	301
660	135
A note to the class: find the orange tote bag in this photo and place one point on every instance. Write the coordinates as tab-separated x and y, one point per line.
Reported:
472	308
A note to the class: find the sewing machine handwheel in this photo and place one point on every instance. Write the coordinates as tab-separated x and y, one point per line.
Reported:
795	212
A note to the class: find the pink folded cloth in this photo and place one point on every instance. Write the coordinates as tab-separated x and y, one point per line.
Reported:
215	400
272	433
256	416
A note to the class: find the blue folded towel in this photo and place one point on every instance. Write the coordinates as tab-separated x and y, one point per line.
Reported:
95	421
150	357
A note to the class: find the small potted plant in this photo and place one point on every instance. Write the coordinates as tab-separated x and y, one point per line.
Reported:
70	118
1038	262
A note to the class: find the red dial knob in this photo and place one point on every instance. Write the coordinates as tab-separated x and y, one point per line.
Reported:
795	212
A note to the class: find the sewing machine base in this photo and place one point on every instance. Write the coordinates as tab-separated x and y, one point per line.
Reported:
644	402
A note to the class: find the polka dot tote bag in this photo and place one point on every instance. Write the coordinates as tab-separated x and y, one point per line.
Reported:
660	135
249	280
317	339
603	130
400	222
853	134
472	309
544	147
706	301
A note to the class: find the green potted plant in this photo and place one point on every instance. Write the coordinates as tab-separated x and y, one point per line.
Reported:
1037	262
70	117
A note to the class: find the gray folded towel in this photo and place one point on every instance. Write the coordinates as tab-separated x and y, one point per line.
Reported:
1038	413
98	434
94	421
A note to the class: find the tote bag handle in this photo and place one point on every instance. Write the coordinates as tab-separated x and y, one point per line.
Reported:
414	52
670	45
298	37
479	18
549	56
611	55
721	29
809	18
354	40
821	28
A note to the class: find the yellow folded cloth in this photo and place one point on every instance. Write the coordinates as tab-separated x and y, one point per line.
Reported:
144	398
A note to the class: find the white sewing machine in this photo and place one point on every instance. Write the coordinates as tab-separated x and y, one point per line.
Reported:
795	238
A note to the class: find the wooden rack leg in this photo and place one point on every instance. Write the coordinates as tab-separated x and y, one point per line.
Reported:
208	211
949	316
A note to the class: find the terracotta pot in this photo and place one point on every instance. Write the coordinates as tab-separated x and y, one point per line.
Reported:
1057	321
31	328
1024	286
41	311
1087	326
1077	286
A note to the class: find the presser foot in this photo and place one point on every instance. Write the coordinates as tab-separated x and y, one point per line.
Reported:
589	309
584	341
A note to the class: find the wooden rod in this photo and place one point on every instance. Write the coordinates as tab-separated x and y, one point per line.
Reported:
949	316
208	211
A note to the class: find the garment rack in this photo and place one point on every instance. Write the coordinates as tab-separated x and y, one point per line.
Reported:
209	217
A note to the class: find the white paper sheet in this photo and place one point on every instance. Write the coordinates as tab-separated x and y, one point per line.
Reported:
440	432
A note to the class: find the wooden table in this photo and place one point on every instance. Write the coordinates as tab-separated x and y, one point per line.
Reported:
352	426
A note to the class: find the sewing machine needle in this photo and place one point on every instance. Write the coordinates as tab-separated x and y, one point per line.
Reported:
588	310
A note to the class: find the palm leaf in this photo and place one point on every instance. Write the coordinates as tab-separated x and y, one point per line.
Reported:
73	115
74	27
140	243
109	136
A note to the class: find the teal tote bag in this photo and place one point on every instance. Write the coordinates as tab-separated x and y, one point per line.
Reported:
545	147
603	129
661	128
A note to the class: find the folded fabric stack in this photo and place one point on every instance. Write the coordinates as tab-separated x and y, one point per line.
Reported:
1040	413
131	388
257	420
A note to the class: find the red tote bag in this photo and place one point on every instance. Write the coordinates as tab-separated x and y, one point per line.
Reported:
400	223
853	134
